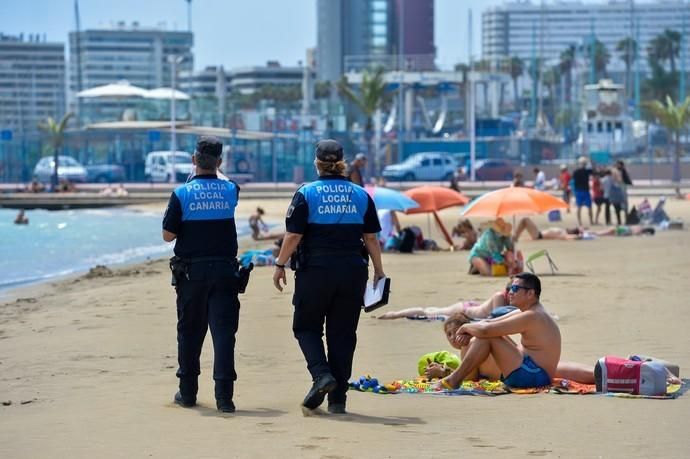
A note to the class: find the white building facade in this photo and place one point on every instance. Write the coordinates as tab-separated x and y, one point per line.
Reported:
32	82
548	28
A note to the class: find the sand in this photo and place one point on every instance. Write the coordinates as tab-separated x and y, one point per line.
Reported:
88	364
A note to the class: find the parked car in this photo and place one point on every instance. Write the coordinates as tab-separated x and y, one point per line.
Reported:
105	173
68	169
422	166
160	166
493	169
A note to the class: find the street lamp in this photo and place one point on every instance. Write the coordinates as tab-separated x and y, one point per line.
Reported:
173	60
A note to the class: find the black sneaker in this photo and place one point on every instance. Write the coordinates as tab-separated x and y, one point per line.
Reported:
225	406
186	402
336	408
323	385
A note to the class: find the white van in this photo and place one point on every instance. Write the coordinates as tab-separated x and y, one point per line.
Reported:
159	166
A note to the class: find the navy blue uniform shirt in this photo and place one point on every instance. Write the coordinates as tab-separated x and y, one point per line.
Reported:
332	213
202	215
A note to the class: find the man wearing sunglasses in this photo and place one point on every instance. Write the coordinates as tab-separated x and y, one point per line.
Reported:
533	362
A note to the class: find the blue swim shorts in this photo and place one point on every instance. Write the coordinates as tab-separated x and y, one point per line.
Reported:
528	375
583	198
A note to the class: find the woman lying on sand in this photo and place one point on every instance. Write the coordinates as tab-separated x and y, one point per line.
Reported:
472	309
570	234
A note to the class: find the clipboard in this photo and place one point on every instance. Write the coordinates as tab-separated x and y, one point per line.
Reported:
376	297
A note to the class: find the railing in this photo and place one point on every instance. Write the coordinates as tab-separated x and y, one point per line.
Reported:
410	62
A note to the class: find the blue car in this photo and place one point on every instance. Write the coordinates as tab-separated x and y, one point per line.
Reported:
105	173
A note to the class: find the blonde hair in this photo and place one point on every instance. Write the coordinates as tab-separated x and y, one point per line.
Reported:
330	168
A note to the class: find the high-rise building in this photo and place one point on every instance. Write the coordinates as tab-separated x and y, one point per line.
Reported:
32	82
356	34
547	29
133	53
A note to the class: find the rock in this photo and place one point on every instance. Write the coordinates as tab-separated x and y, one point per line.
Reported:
99	271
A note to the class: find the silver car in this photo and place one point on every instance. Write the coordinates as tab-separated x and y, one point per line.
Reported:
68	169
422	166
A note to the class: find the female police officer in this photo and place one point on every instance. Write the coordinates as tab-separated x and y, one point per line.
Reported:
326	222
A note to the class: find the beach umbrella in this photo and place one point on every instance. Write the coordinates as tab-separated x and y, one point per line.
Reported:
166	94
386	198
512	201
431	199
121	89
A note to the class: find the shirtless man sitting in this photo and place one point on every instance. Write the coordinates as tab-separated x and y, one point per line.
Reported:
531	364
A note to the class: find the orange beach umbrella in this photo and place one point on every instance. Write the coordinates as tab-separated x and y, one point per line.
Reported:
435	198
512	201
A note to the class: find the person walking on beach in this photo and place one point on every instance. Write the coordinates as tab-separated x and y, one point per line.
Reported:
356	172
583	198
327	223
539	179
200	218
564	184
534	363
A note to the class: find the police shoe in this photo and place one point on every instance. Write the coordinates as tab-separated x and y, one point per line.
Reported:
186	402
336	408
225	405
323	385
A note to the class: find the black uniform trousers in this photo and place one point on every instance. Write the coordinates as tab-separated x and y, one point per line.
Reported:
208	299
332	294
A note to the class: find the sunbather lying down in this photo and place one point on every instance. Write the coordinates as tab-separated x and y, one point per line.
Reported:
570	234
472	309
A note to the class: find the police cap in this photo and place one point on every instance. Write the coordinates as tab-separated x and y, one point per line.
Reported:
329	150
209	145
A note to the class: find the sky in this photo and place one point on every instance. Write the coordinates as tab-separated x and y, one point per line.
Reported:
232	33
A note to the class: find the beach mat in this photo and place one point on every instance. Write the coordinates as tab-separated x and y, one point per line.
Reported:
423	386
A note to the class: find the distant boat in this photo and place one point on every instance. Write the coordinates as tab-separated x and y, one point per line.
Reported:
607	128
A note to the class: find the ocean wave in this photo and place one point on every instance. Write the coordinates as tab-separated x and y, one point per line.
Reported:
128	255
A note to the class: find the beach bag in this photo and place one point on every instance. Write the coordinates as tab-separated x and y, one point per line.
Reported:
499	270
407	239
555	216
632	218
616	374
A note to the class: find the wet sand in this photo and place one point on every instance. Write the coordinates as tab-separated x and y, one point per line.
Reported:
88	363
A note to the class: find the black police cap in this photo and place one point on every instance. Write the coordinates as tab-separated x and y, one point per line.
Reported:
209	145
329	150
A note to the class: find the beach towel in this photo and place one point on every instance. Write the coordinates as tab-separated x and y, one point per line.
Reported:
423	386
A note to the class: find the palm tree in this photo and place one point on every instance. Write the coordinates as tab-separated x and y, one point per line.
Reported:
627	51
550	79
566	64
369	99
56	136
674	118
665	47
601	58
516	67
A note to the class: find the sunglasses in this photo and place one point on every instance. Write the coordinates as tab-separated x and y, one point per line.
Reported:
514	288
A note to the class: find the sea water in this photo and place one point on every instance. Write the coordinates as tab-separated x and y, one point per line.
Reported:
60	243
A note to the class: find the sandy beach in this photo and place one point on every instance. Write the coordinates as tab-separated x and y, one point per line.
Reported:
87	364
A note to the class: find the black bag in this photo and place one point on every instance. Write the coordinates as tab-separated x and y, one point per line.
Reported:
632	218
407	239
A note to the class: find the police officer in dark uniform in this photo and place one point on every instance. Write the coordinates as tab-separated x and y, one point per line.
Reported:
201	218
328	224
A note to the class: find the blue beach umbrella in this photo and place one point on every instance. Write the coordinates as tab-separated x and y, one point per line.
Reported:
386	198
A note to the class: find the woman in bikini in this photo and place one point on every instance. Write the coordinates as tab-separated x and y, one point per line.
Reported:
472	309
